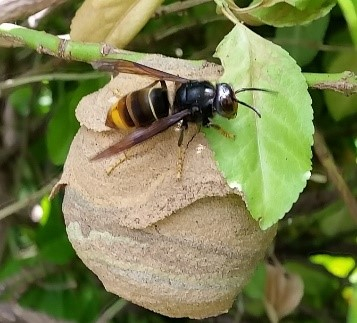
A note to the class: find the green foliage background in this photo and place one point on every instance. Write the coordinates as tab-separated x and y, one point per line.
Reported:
317	238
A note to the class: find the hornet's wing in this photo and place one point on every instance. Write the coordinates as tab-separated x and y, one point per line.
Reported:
123	66
142	134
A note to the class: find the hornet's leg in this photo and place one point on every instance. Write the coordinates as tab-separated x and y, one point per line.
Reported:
111	168
221	130
181	151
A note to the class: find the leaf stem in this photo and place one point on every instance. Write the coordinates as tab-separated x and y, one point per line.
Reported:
345	82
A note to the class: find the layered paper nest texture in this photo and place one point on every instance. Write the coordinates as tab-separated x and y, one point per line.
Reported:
180	248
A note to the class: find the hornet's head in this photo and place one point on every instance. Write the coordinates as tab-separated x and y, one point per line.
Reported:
226	102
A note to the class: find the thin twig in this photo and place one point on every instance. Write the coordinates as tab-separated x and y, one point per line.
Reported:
44	43
18	205
178	6
11	83
333	173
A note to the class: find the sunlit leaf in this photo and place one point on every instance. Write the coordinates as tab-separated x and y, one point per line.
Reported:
338	266
113	22
46	207
269	160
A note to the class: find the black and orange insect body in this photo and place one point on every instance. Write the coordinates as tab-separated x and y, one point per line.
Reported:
148	110
139	108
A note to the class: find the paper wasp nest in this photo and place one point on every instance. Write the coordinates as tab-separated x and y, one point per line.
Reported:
180	248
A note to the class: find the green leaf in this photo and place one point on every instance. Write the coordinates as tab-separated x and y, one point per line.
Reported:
64	125
67	296
58	251
349	9
270	159
302	42
13	266
255	287
319	288
352	311
339	38
52	239
339	266
289	13
299	4
334	219
57	301
20	99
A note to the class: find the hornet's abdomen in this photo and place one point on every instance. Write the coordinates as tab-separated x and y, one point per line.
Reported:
139	109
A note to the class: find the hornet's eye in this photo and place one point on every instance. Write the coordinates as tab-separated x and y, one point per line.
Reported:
224	103
227	105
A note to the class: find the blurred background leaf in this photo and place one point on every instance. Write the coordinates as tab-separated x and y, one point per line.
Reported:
293	38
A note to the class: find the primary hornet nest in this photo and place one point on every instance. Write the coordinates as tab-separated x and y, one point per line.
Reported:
180	248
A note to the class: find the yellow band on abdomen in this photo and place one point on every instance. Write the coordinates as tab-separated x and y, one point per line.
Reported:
116	119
